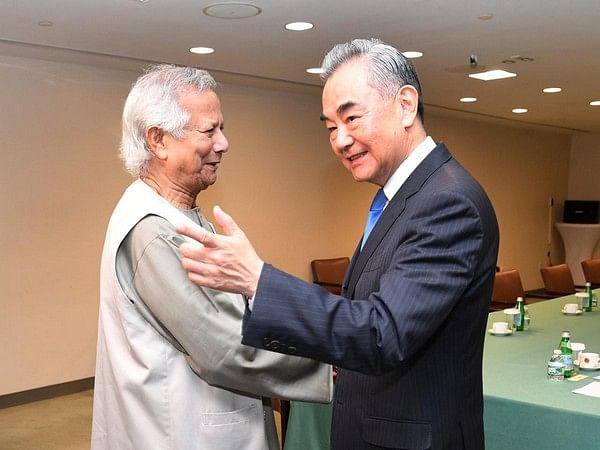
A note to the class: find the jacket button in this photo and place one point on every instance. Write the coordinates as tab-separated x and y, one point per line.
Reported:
292	349
274	344
267	342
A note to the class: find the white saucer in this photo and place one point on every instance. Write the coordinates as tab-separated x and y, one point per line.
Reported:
505	333
597	367
579	311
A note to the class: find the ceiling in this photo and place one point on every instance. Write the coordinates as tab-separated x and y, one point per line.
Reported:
562	37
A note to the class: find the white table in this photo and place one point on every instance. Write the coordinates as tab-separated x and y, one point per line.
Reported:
580	240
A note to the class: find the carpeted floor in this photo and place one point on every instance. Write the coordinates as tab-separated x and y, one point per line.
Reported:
61	423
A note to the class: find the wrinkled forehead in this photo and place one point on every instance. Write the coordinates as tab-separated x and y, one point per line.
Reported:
201	105
350	85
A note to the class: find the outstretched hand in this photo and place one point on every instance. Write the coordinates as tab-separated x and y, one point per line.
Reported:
227	262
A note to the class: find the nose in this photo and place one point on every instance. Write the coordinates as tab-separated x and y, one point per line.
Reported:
343	140
221	144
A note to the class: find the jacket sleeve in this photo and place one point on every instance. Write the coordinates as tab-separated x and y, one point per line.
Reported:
413	285
206	325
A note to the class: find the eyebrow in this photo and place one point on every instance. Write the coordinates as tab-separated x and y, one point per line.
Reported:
340	109
210	124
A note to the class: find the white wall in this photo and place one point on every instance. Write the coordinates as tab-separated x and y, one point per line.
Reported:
584	167
584	170
60	178
521	169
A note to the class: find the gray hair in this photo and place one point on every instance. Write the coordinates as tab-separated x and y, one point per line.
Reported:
389	69
154	102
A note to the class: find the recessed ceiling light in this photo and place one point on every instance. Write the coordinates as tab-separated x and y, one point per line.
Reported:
485	16
45	23
202	50
299	26
232	10
468	99
316	70
520	110
412	54
492	75
552	90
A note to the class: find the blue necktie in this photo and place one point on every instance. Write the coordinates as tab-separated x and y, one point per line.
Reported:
374	213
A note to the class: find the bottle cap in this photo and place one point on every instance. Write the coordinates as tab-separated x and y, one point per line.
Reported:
566	334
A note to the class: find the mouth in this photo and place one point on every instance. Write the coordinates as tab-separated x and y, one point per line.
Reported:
356	156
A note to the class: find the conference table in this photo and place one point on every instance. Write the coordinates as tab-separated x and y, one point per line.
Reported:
522	408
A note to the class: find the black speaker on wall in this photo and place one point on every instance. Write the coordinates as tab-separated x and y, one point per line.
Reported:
581	211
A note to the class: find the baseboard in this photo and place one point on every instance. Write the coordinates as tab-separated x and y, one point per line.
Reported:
46	392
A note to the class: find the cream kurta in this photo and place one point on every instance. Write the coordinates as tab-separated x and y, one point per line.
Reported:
146	395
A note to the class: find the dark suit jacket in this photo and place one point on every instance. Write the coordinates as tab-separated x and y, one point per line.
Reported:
409	327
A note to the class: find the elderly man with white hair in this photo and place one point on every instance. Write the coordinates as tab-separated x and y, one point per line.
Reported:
171	372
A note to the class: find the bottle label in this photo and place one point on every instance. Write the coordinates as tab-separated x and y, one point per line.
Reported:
517	320
568	361
587	302
555	368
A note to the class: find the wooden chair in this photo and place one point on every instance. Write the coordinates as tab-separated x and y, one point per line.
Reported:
591	271
558	279
507	287
281	408
329	273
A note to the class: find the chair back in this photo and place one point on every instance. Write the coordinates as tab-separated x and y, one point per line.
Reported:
507	287
558	279
329	273
591	270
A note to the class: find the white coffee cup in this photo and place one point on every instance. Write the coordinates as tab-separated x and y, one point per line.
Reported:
577	348
571	308
589	360
500	327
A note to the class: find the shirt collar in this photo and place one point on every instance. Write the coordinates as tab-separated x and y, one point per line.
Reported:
408	166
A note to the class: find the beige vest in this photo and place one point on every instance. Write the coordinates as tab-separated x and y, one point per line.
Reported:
146	396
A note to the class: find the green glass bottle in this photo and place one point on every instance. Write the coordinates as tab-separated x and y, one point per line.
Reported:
519	319
587	306
565	349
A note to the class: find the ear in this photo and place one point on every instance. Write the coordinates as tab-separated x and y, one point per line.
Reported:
407	99
155	137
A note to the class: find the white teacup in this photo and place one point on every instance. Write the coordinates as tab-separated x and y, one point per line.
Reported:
571	308
500	327
589	360
577	348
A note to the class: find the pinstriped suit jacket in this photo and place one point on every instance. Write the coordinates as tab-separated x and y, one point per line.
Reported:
409	327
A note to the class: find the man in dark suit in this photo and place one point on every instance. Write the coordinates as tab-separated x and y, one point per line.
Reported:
409	327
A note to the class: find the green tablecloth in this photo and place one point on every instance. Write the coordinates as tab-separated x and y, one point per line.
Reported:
523	410
308	426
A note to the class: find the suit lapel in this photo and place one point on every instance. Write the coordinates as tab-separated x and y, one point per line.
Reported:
392	212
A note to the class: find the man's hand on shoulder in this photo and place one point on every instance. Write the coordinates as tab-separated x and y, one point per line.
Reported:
226	262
